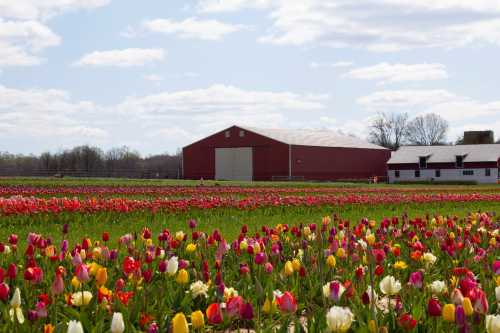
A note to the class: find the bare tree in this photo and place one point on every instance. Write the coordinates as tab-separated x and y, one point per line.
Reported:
427	130
389	130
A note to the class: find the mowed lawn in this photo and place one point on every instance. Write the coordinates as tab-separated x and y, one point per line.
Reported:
228	221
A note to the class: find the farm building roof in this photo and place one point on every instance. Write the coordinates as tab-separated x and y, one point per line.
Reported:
446	154
317	138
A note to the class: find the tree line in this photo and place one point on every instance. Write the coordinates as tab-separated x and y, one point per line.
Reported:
88	161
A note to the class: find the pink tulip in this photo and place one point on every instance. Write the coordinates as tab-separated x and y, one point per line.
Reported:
287	302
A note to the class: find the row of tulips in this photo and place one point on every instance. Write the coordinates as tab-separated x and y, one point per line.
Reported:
179	191
19	205
432	274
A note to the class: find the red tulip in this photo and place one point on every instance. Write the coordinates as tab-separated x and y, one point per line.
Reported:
287	302
214	314
434	308
4	291
12	271
234	306
407	322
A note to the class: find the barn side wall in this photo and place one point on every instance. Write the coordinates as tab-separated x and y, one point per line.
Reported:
326	163
270	157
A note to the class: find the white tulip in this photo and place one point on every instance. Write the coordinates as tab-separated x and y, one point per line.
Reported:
15	310
117	324
199	288
15	302
493	323
75	327
438	287
172	266
429	259
390	286
339	319
497	294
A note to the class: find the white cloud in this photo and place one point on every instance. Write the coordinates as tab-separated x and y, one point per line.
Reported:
385	25
216	6
43	9
218	99
385	99
151	123
23	36
338	64
21	41
153	78
452	107
192	28
122	58
391	73
30	114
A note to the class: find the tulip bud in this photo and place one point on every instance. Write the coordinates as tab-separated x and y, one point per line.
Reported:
434	308
75	327
198	319
467	305
117	324
182	277
288	268
449	312
330	261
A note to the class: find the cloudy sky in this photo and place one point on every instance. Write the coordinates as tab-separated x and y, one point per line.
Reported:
155	75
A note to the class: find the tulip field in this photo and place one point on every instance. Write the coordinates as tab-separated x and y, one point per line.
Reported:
123	256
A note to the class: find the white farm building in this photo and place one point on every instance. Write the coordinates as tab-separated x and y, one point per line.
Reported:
475	163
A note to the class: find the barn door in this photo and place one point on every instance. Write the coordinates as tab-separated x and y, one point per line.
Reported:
234	164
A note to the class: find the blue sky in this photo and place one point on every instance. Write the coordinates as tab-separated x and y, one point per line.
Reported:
156	75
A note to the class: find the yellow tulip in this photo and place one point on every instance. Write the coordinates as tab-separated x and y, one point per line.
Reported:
467	304
340	252
76	283
330	261
288	268
243	245
372	327
81	298
179	236
101	276
191	247
400	265
179	324
93	267
269	306
449	312
296	264
370	239
182	277
198	319
256	248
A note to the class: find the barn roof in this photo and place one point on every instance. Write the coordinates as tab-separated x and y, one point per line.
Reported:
317	138
446	154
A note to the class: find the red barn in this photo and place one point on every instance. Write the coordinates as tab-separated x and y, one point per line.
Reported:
247	153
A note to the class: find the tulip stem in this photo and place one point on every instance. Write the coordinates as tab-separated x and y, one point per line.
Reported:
372	285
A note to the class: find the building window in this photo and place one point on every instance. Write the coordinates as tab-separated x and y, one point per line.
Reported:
228	134
422	162
459	162
437	173
417	173
242	133
487	172
396	173
468	172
